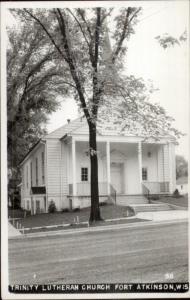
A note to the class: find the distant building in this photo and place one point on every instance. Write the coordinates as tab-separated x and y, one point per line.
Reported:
182	185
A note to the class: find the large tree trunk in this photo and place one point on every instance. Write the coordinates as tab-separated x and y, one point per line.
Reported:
95	210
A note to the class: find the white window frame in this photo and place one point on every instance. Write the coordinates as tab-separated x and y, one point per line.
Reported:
81	174
31	173
27	176
37	171
145	169
43	167
27	205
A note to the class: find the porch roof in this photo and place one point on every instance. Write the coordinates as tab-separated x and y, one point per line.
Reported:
79	128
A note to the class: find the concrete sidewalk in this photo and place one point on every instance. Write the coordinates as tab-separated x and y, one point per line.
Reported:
12	231
163	215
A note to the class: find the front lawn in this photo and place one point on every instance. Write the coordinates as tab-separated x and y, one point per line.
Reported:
58	218
15	213
72	226
180	201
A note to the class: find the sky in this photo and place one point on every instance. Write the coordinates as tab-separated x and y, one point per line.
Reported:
168	69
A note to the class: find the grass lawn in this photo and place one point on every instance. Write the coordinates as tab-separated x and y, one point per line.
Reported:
107	212
72	226
15	213
181	201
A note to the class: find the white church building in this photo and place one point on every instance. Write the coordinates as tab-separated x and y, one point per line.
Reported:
57	168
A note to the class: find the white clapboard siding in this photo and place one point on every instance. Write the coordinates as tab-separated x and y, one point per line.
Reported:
166	163
172	165
64	169
26	188
53	167
163	163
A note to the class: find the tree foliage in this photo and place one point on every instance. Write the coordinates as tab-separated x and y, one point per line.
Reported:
132	111
34	80
181	166
167	40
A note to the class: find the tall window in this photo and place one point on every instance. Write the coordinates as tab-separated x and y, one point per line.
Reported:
43	169
144	174
84	174
27	176
23	179
31	174
36	171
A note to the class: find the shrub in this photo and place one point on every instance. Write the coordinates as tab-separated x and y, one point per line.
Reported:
76	209
129	212
65	210
176	193
154	197
52	207
103	203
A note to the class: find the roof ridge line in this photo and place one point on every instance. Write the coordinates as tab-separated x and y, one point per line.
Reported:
61	127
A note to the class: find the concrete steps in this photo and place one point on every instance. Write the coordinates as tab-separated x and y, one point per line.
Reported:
125	200
149	207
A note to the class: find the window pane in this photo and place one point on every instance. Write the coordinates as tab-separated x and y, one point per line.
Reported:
144	174
36	171
31	173
84	174
43	177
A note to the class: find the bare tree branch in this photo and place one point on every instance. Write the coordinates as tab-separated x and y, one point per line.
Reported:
84	35
47	32
84	20
96	91
79	25
134	15
118	49
127	22
106	15
72	65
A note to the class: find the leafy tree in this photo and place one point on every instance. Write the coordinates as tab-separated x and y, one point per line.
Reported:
34	80
94	61
181	166
167	40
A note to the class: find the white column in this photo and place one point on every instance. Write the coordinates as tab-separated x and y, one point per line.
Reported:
74	166
140	165
171	162
108	166
34	205
125	177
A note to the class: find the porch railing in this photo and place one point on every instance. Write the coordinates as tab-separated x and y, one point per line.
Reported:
156	187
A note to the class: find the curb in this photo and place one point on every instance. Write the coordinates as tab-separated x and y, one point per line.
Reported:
99	228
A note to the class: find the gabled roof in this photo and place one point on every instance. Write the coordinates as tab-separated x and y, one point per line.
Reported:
30	150
67	128
104	128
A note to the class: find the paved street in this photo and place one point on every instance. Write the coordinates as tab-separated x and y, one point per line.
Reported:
143	254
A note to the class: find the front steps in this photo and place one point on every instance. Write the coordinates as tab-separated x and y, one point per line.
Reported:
149	207
125	200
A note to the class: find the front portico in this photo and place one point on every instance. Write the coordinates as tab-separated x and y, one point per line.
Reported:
125	167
